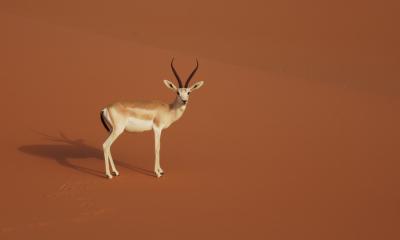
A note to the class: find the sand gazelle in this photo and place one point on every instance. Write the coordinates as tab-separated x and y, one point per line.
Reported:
139	116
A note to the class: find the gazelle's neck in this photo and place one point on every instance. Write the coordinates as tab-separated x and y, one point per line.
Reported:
177	108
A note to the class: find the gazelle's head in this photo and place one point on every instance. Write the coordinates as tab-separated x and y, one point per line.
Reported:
183	92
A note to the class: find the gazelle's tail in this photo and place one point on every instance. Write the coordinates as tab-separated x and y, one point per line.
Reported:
104	121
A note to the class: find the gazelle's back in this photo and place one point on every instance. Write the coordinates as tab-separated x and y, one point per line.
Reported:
153	105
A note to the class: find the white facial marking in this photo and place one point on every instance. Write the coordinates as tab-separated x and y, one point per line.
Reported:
184	93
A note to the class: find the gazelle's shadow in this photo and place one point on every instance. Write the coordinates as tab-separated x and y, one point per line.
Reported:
64	150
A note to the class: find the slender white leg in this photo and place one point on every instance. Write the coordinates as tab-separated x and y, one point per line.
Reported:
107	153
157	138
114	169
106	161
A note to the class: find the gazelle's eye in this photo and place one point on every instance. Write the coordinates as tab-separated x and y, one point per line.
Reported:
188	93
177	93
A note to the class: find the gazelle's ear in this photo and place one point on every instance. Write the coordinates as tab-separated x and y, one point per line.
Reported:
170	85
196	85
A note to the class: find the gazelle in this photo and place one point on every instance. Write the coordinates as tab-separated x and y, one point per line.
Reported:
139	116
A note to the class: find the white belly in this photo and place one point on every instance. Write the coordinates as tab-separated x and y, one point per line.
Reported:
138	125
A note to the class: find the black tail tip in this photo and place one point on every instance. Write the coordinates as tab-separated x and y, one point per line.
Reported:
104	121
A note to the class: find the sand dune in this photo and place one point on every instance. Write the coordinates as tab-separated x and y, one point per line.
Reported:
293	136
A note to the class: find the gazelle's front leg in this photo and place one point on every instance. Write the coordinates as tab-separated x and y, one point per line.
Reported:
157	139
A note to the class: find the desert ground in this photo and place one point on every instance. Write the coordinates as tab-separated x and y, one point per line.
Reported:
294	135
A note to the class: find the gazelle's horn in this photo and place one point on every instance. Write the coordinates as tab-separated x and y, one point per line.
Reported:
176	74
192	74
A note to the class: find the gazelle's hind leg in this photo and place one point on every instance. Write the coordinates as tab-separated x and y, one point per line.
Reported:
114	170
107	152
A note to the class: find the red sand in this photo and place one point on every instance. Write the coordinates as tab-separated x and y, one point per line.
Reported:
294	135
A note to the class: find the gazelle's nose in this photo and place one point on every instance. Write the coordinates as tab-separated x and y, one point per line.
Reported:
184	101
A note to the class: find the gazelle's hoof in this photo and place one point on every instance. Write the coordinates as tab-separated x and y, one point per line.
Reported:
160	171
115	173
109	176
158	174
